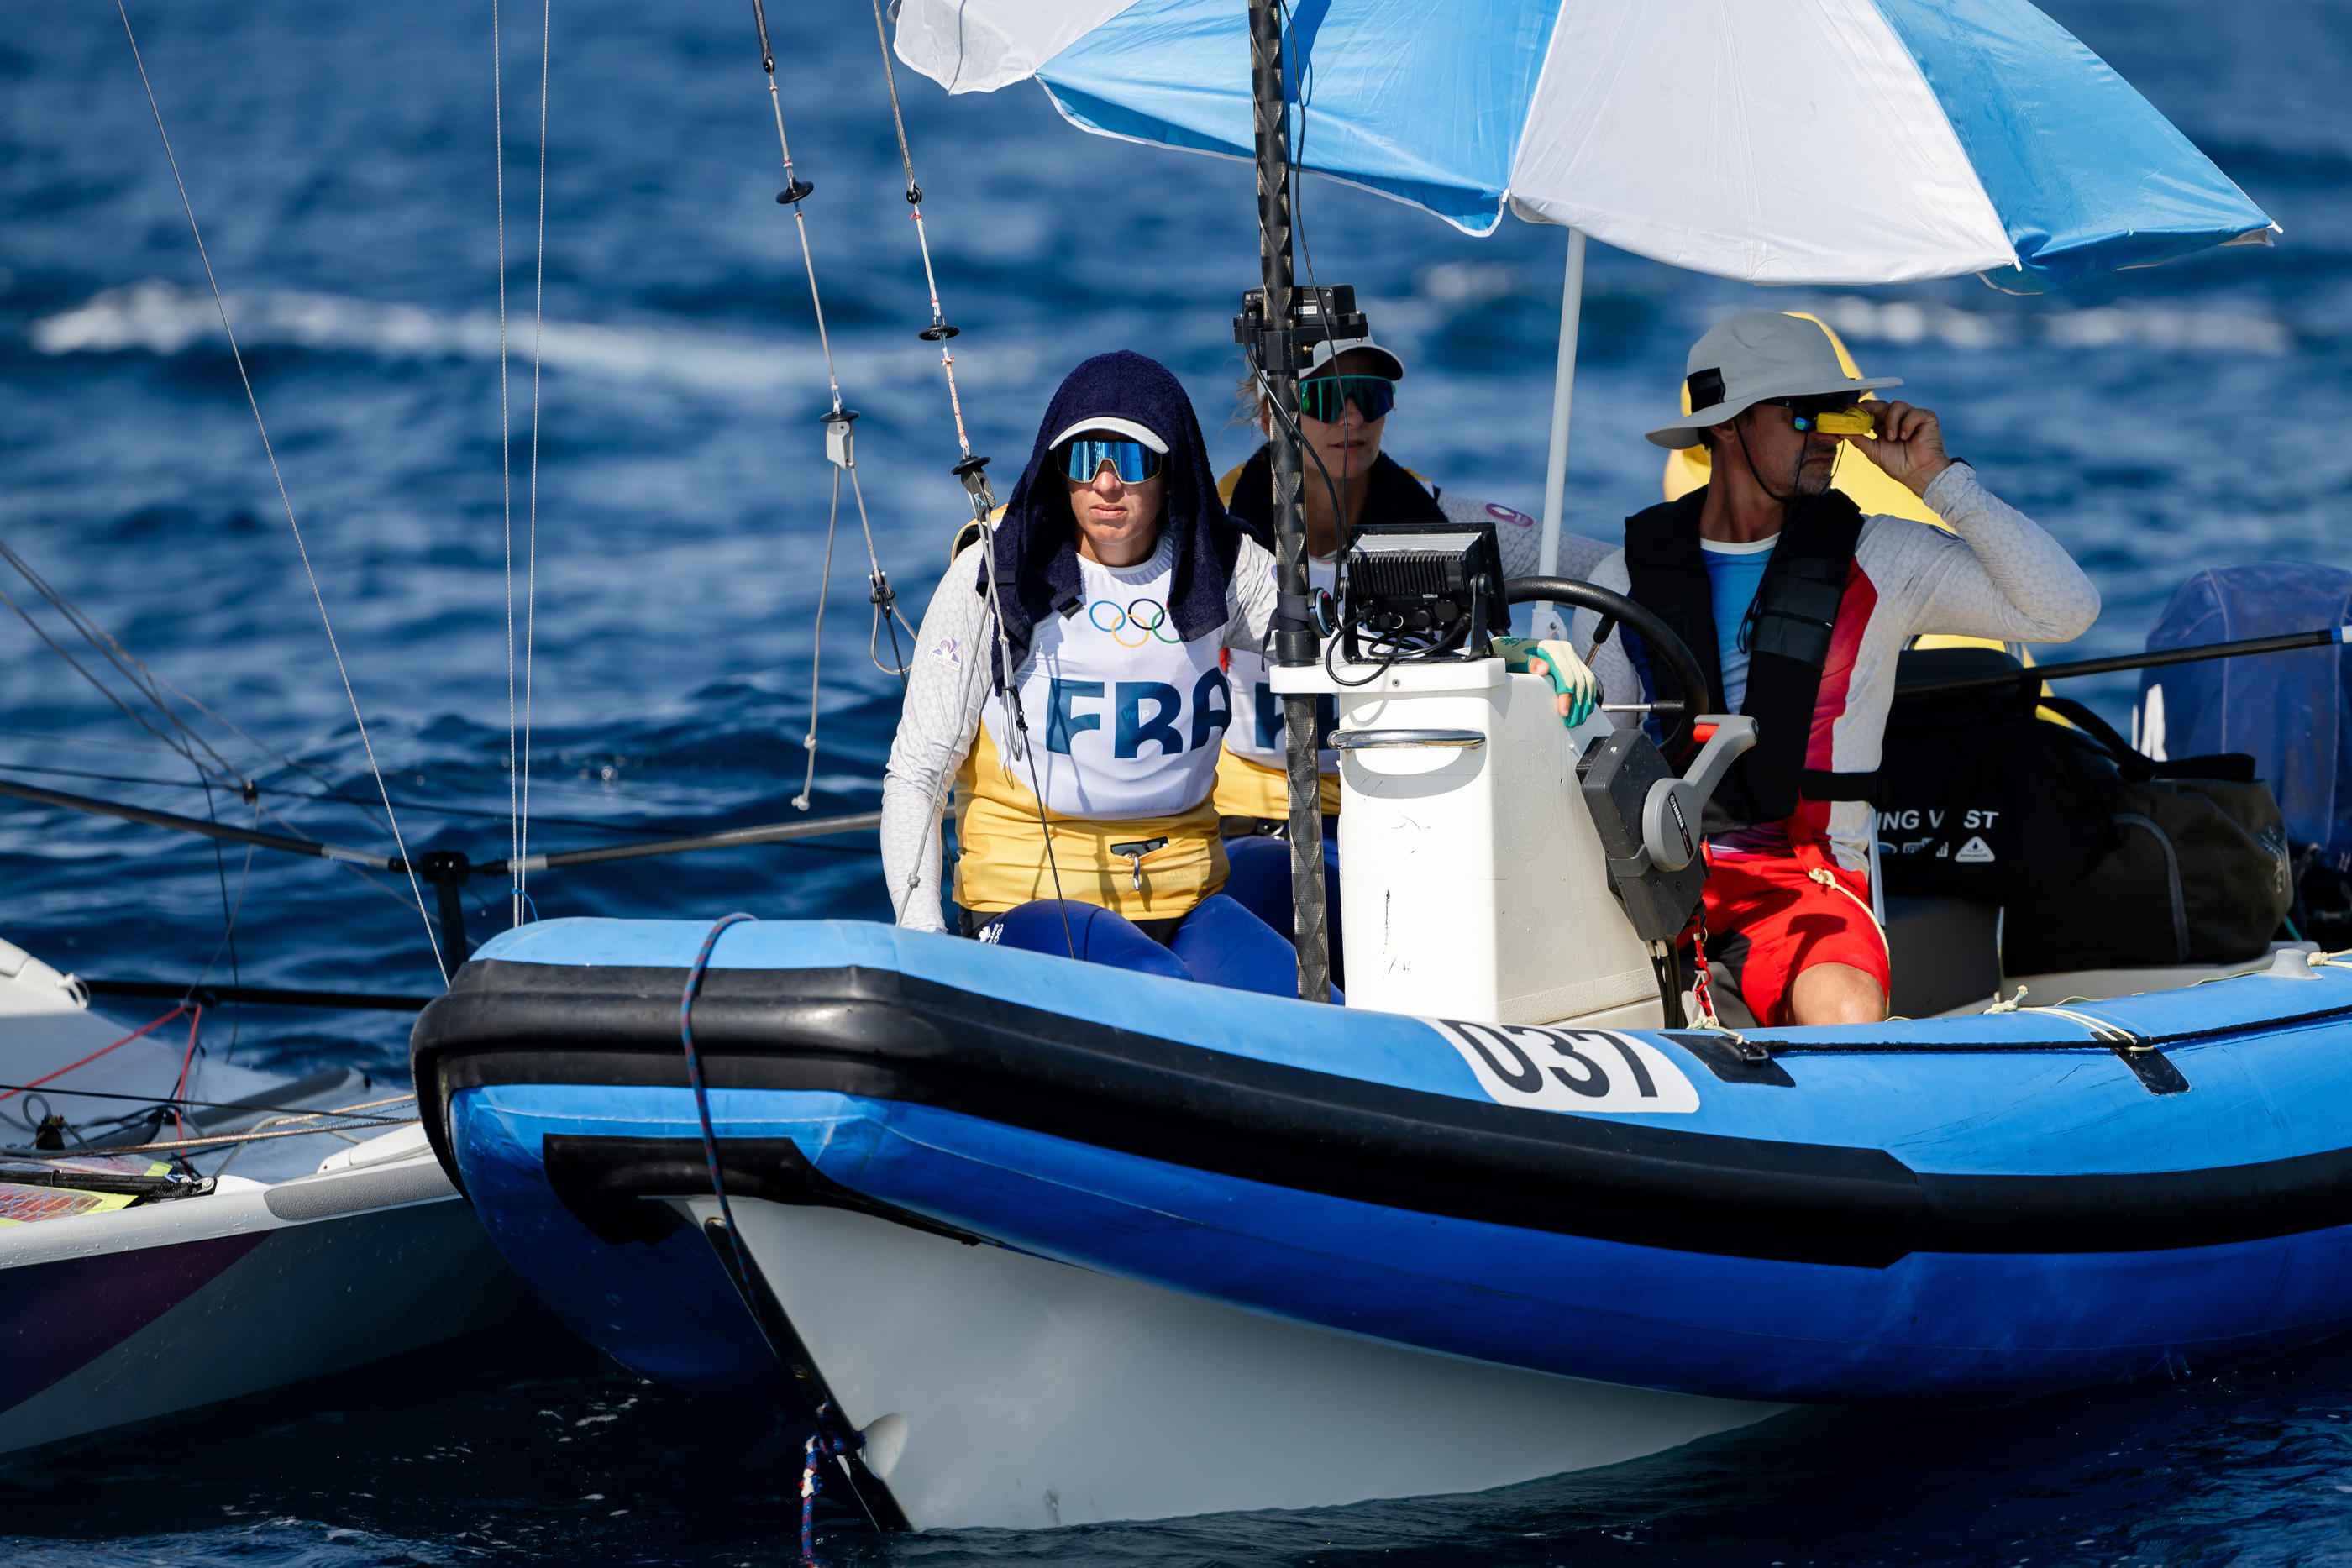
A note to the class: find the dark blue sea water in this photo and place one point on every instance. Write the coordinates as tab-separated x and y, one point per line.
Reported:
342	161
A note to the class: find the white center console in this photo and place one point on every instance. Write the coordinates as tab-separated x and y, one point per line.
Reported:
1474	884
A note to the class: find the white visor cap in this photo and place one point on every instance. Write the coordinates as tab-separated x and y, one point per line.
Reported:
1116	426
1331	348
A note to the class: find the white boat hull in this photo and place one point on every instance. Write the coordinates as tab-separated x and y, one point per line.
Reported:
129	1313
117	1317
1000	1388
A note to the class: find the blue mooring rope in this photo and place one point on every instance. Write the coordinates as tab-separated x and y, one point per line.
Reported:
820	1447
826	1444
701	1095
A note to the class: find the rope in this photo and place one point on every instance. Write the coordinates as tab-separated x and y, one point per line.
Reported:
217	1141
94	1055
180	1084
822	1446
702	1096
270	451
282	1113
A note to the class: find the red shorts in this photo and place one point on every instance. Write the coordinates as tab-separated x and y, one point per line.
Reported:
1769	917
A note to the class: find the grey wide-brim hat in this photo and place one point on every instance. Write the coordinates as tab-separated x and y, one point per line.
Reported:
1757	355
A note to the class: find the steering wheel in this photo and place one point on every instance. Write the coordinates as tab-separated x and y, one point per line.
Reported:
1667	652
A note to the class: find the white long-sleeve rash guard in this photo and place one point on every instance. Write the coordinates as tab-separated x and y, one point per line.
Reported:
945	691
1996	575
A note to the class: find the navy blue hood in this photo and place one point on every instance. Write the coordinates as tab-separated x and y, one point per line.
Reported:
1036	544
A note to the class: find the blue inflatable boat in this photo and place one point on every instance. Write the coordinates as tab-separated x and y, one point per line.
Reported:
1055	1242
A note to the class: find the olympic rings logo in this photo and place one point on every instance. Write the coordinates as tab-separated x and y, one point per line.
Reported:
1146	617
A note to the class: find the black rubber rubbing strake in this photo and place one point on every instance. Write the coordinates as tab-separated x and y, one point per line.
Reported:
883	1035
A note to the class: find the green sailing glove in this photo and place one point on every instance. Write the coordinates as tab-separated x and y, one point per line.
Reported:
1576	690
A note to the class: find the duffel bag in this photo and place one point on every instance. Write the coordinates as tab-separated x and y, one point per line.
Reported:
1977	799
2201	873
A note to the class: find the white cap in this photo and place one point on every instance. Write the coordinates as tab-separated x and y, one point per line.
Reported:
1116	426
1329	350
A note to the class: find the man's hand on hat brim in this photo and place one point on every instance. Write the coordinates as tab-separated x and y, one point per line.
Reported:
1909	445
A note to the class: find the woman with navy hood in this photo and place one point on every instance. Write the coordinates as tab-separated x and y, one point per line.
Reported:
1068	686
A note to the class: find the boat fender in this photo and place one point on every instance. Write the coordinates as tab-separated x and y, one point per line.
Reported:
1647	819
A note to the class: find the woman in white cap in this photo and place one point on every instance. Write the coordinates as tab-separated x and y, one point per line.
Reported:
1344	401
1068	685
1346	480
1796	605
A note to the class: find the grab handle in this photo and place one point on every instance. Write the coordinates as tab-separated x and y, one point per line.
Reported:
1378	739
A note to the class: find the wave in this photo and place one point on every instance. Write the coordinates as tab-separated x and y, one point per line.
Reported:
1864	320
162	318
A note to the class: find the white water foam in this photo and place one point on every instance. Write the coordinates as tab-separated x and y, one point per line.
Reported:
1860	319
1863	320
162	318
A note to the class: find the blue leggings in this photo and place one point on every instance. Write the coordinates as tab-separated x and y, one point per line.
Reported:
1220	943
1260	883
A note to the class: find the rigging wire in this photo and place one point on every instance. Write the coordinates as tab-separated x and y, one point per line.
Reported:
285	499
152	684
817	654
506	417
517	715
531	545
228	920
840	442
227	776
972	470
142	680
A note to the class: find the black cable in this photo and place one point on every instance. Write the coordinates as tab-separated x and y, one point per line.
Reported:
166	1102
304	795
1297	145
228	921
1265	395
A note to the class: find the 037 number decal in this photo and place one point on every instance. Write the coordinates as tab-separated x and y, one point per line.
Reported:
1568	1069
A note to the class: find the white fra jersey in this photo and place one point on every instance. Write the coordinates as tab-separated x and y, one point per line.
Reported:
1125	719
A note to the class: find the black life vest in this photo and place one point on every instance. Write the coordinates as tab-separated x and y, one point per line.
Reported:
1795	617
1391	495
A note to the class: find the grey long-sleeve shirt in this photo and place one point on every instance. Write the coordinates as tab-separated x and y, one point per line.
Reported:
1997	574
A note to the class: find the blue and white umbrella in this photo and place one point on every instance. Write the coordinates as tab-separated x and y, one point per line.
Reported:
1844	141
1823	142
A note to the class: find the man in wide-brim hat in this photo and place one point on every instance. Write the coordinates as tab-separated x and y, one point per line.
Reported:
1795	604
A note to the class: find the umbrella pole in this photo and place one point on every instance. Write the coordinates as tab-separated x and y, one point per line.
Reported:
1296	641
1563	396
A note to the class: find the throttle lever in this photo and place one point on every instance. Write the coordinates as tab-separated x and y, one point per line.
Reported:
1672	809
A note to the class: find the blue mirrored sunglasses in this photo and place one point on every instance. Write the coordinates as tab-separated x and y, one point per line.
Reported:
1326	398
1132	461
